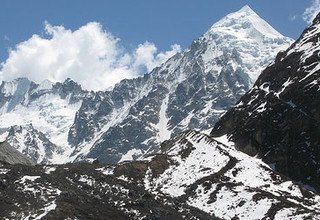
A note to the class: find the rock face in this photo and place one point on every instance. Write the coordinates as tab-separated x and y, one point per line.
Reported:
279	118
33	143
189	91
195	177
10	155
36	118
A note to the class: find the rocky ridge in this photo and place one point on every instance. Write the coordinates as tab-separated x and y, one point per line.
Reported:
278	120
9	155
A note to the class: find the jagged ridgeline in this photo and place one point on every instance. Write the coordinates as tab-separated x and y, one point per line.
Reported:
35	118
189	91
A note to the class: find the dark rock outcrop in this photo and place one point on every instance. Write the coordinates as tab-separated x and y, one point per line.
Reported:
10	155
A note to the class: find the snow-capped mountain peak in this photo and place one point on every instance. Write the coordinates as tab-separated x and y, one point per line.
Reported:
45	85
246	9
15	87
12	93
245	20
189	91
246	37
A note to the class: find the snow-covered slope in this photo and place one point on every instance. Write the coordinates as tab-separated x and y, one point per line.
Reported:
254	42
194	177
189	91
226	183
37	117
32	143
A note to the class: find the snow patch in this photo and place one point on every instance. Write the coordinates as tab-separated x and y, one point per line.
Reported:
106	170
49	170
131	155
28	178
164	133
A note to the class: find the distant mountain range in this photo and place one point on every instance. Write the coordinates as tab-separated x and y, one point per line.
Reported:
60	122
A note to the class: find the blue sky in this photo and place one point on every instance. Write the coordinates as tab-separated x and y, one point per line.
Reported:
162	22
147	29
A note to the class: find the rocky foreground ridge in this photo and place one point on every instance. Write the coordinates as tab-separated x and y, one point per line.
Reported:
195	177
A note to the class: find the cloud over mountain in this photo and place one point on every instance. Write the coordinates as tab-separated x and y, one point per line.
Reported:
311	12
89	55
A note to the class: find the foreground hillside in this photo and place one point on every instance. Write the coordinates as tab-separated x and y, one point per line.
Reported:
195	177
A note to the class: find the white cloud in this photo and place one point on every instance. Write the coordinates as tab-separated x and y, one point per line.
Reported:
89	55
293	17
146	55
311	12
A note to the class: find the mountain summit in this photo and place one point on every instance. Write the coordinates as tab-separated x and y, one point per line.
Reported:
246	20
253	39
